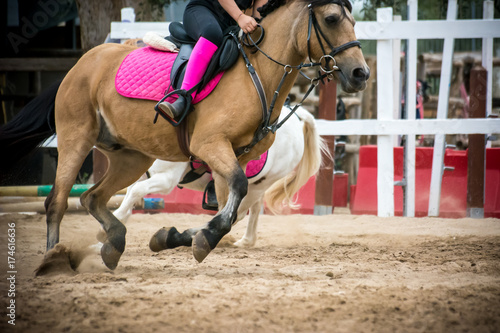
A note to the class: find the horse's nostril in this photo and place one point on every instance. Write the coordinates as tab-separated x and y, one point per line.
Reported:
361	74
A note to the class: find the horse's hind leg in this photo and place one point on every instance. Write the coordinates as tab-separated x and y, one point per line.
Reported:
250	237
69	163
125	167
160	182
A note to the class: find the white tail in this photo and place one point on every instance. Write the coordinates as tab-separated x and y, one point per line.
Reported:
281	192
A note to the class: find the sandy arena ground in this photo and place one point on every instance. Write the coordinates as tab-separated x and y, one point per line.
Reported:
335	273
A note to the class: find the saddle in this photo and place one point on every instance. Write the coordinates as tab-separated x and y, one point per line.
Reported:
223	59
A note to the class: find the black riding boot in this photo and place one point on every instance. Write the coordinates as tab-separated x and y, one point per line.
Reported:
176	109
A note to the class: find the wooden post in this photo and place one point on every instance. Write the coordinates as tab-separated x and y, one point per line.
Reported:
323	203
476	155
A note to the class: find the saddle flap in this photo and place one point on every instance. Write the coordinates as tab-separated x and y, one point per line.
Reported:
225	57
228	55
179	65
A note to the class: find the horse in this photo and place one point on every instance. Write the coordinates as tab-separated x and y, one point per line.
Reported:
294	157
222	128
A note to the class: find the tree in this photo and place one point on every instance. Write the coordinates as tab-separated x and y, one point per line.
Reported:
96	16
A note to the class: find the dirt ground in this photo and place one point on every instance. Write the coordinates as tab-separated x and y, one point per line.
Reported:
334	273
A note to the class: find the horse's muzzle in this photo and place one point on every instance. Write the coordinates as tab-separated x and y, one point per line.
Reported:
360	74
355	80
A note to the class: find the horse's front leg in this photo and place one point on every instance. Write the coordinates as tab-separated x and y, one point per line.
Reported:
205	239
231	187
208	237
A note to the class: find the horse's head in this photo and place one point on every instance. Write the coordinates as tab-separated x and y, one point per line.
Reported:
331	40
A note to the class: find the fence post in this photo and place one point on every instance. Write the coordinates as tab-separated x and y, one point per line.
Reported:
410	102
476	155
487	60
385	100
323	200
442	113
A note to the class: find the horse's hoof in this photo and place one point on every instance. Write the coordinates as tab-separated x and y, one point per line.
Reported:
201	248
159	240
110	255
244	242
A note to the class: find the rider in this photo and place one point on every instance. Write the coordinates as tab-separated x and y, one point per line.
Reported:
205	21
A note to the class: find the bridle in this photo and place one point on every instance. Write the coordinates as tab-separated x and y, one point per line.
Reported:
323	63
313	23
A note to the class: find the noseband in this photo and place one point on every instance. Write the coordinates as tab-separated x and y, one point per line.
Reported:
324	63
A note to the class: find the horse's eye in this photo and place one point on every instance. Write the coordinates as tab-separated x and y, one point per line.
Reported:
332	19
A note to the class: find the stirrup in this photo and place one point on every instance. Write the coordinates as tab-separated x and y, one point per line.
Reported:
209	197
173	122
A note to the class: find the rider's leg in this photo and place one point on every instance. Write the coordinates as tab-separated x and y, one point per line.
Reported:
201	25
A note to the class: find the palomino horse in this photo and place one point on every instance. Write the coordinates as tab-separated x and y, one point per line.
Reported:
292	159
89	112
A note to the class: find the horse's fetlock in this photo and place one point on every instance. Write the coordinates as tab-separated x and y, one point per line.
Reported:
225	228
118	242
221	225
117	229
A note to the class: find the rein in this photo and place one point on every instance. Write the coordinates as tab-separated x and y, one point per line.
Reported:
265	127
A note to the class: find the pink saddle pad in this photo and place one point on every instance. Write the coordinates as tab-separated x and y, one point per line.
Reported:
254	167
145	74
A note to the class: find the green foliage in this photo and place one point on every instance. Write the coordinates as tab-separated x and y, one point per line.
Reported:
369	11
158	4
82	178
150	10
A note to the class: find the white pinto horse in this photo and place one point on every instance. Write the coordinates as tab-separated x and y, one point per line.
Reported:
292	159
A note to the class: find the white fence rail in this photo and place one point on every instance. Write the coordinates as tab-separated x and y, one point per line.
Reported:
408	127
127	30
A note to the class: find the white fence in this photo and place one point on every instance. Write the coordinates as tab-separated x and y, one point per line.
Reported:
388	34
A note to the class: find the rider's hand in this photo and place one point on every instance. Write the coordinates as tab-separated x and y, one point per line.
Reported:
247	23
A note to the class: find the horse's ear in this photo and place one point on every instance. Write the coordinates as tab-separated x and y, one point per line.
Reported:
348	5
270	6
133	42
